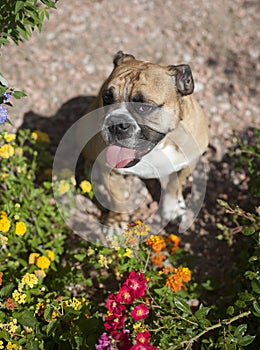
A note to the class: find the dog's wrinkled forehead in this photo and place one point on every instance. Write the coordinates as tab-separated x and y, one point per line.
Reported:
137	83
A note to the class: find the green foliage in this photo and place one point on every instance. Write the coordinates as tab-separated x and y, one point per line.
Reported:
54	285
19	18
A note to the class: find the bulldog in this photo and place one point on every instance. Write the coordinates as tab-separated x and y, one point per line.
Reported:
150	126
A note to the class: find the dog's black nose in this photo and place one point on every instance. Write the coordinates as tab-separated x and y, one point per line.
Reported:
121	127
118	125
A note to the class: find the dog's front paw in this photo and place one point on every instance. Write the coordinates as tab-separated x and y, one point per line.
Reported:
173	207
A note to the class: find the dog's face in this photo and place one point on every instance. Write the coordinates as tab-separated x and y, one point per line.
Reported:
143	104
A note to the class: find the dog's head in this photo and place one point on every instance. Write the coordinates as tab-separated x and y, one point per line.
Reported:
143	103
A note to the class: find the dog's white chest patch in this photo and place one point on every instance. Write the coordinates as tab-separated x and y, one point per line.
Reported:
160	162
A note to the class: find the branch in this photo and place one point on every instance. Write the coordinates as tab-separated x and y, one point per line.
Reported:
208	329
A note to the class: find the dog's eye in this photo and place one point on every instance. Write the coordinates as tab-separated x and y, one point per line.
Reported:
143	108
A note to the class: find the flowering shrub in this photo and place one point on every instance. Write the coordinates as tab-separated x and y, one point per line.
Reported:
58	291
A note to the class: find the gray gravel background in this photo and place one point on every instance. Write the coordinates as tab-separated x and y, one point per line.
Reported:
219	39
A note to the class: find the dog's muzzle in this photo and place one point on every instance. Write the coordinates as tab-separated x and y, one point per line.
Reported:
127	141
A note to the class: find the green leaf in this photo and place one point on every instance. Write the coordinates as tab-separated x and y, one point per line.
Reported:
49	3
51	327
80	257
182	304
6	290
27	319
32	345
18	6
248	231
246	340
240	330
3	81
19	94
255	286
230	310
256	306
48	313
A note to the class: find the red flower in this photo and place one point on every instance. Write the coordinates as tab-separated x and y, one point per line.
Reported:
137	283
122	338
114	306
143	337
125	295
114	322
139	312
140	346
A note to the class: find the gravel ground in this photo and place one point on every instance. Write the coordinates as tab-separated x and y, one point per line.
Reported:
72	56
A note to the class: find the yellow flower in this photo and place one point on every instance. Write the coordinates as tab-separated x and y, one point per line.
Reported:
51	254
20	228
10	346
85	186
104	261
74	303
73	180
9	137
40	136
63	187
29	279
128	252
5	223
40	273
6	151
33	257
18	151
4	176
13	326
19	297
43	262
3	240
1	344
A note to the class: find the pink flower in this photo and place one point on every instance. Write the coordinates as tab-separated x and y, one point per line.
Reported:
139	312
143	337
114	306
114	322
125	295
137	283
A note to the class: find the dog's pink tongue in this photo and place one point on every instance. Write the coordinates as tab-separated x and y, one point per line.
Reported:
119	157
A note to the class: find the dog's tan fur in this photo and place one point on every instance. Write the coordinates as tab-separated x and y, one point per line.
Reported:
158	84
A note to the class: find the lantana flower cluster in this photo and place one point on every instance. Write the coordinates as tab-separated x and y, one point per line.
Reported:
162	247
133	288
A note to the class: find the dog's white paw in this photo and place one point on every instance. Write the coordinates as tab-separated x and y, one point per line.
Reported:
173	207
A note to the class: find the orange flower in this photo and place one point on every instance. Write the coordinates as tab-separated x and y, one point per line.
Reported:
10	304
157	259
167	269
175	281
1	281
174	242
157	243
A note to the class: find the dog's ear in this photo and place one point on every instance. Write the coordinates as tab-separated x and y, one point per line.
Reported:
184	79
121	57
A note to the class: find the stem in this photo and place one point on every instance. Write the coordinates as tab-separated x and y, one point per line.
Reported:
208	329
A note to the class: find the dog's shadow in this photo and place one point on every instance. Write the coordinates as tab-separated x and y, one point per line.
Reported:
57	125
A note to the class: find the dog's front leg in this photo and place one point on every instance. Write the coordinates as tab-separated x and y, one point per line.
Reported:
173	201
117	190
